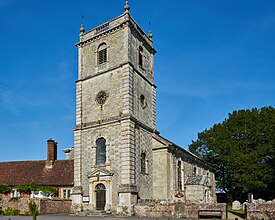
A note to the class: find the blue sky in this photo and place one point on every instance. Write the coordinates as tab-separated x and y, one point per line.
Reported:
214	56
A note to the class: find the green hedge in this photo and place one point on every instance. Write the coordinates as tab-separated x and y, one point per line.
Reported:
27	188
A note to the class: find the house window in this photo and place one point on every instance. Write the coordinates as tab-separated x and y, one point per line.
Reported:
179	176
66	194
140	57
143	163
100	151
15	193
40	194
102	53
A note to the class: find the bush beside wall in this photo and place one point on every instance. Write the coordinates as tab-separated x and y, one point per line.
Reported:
44	206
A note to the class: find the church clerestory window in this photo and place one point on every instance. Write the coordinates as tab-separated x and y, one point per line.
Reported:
100	151
102	53
195	171
179	176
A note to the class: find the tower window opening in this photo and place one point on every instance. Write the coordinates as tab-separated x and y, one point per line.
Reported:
142	101
100	151
102	53
140	57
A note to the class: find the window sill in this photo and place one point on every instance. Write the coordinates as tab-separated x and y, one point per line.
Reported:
141	68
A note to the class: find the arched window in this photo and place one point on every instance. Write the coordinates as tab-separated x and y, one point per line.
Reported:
195	171
206	196
143	163
140	56
100	151
143	102
100	187
102	53
179	176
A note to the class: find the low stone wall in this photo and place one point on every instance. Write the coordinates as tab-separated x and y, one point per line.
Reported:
265	210
154	211
164	209
45	206
21	204
55	206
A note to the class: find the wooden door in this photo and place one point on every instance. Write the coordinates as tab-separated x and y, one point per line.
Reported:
100	197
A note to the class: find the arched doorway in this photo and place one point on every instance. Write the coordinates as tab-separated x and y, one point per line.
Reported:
100	196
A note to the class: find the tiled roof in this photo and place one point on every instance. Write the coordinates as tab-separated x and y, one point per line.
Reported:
34	172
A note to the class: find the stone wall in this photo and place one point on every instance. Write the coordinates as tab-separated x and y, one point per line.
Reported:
21	204
161	176
263	210
55	206
195	193
44	206
164	209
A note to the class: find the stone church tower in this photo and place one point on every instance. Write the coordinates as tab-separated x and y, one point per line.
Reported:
115	116
119	157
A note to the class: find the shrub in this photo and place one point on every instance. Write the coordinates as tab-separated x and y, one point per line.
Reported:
33	209
33	187
5	189
10	211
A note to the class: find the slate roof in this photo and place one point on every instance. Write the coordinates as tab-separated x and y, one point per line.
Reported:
34	172
179	149
196	180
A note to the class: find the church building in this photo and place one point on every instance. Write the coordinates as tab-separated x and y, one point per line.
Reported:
120	159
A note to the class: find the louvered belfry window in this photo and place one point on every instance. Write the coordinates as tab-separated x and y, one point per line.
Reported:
100	151
102	53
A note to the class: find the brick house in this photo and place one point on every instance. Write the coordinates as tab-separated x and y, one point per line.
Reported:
41	174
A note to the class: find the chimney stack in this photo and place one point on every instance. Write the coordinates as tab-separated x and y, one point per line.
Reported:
52	153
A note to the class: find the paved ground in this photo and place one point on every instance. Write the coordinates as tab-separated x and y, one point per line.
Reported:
67	217
64	217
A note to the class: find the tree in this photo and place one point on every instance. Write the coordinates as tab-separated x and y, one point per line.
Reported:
242	151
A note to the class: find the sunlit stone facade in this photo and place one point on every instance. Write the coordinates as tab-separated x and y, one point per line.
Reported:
119	157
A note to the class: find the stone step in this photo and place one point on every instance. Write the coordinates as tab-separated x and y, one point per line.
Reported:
95	214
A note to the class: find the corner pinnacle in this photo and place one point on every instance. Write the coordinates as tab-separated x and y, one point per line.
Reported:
127	7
